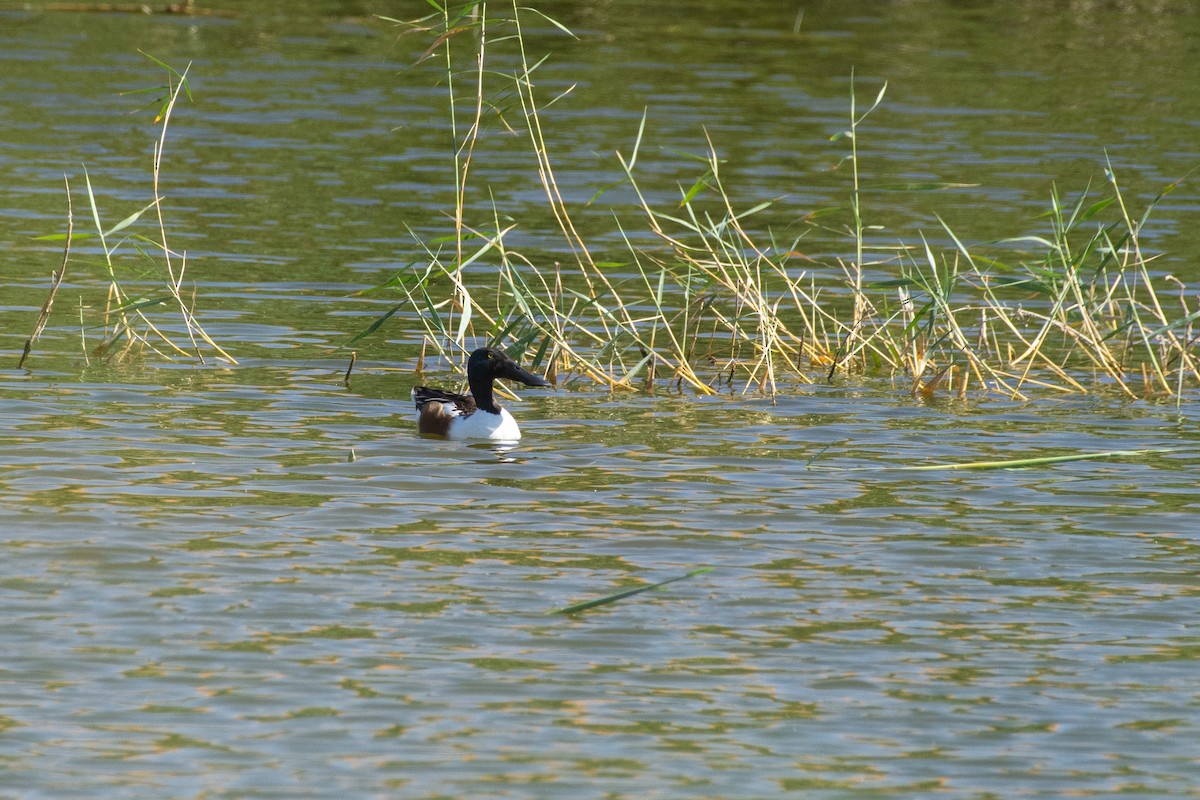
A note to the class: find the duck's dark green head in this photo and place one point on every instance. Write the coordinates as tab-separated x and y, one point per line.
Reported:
488	363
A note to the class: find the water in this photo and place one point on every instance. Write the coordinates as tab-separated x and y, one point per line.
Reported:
257	582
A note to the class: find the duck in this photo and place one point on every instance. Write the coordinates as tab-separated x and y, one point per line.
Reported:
476	415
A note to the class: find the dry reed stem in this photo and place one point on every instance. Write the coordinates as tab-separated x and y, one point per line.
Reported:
55	281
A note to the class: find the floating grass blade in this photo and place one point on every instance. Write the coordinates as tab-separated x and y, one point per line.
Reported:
612	598
1018	463
1015	463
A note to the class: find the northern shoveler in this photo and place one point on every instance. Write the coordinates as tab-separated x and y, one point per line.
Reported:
475	415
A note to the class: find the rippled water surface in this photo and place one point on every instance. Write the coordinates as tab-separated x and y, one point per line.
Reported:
256	581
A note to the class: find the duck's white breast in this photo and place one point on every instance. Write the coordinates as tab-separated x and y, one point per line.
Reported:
484	425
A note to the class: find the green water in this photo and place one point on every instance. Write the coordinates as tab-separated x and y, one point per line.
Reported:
258	582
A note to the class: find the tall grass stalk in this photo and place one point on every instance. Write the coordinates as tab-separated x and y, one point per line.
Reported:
856	269
174	263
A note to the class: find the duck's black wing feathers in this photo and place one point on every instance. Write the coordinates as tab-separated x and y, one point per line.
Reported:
423	395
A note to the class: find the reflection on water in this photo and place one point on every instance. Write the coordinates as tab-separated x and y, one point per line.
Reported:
204	593
259	583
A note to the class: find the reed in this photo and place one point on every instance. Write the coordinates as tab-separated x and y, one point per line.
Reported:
128	321
718	303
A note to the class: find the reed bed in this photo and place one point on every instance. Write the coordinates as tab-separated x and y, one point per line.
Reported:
715	303
140	284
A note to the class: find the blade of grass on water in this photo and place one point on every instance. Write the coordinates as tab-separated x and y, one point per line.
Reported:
612	598
1015	463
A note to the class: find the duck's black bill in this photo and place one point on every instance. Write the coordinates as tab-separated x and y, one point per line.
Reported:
516	373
